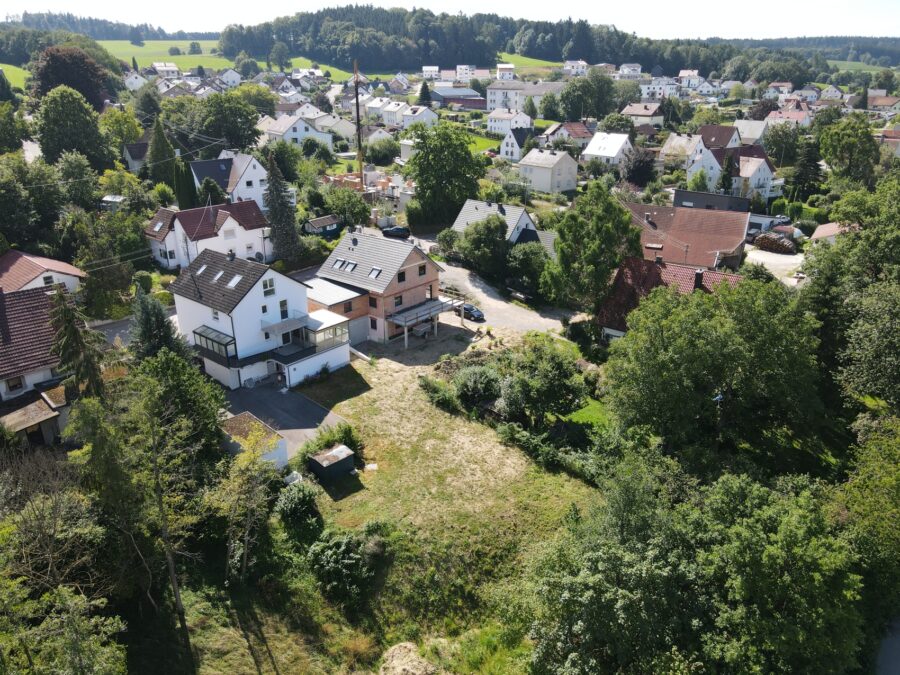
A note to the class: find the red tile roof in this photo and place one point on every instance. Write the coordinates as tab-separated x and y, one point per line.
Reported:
205	222
689	236
716	135
578	130
18	269
26	336
636	278
641	109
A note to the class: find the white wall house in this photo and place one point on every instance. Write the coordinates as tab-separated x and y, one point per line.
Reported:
506	71
375	106
431	72
464	73
689	79
659	88
20	271
575	68
502	120
644	113
549	170
611	149
134	81
247	321
421	114
392	113
512	94
242	177
628	71
512	147
230	77
293	129
752	171
517	218
176	238
165	69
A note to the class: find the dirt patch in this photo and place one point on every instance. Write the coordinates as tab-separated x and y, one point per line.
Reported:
404	659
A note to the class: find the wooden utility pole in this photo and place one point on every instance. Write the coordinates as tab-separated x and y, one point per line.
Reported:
359	148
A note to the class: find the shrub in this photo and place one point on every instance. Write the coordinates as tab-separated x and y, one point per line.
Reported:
476	385
165	298
795	210
296	506
328	437
163	194
778	207
440	393
144	280
165	280
447	240
341	566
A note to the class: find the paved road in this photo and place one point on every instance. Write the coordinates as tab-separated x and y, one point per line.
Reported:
779	264
120	329
293	415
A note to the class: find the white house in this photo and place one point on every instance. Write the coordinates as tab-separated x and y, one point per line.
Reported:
659	88
501	120
464	73
610	149
706	88
776	89
831	93
247	322
392	113
134	81
752	131
293	129
752	171
431	72
689	79
644	113
242	177
375	106
512	94
628	71
517	218
373	134
512	146
575	68
176	238
166	70
20	271
682	150
230	77
549	170
799	118
506	71
421	114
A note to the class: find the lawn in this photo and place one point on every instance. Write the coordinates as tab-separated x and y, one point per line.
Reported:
14	74
482	143
854	66
520	61
594	413
158	50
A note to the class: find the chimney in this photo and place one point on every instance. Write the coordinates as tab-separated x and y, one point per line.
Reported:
230	254
698	278
658	260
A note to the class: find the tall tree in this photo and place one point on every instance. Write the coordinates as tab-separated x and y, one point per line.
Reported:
616	123
120	127
850	149
77	346
147	104
484	246
530	108
424	94
72	67
185	192
67	122
592	240
807	178
726	177
781	142
161	157
151	330
550	107
281	214
210	193
229	117
13	128
79	180
280	56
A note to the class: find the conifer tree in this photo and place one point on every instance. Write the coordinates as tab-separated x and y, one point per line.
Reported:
161	157
185	193
78	347
424	95
281	214
151	330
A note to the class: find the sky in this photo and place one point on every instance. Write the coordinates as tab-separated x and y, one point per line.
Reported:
651	18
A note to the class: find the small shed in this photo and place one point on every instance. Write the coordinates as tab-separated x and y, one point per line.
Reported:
332	463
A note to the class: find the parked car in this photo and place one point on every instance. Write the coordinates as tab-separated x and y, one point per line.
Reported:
470	312
397	232
782	220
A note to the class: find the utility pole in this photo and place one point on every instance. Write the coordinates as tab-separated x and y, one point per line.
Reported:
359	151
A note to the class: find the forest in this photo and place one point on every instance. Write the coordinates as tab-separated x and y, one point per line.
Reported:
103	29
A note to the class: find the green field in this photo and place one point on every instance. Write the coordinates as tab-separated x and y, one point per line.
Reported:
854	66
158	50
14	74
520	61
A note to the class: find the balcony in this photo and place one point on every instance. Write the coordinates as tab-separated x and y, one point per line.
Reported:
282	322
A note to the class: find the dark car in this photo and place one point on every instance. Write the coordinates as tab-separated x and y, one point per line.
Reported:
470	312
396	232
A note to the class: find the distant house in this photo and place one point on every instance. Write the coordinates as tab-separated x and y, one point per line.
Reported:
230	77
689	79
808	93
501	120
706	88
134	81
512	94
33	406
611	149
831	231
636	278
799	118
430	72
682	150
474	211
241	177
325	226
20	271
373	108
294	129
575	68
247	321
549	170
644	113
506	71
373	134
752	171
136	153
176	238
628	71
166	69
392	113
659	88
512	147
752	131
776	89
419	114
831	93
462	96
884	103
710	200
699	238
719	136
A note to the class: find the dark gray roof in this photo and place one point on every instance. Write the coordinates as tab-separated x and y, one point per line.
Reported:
204	286
474	211
547	238
455	92
370	252
521	134
217	169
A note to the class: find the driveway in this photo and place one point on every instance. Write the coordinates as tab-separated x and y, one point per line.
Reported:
293	415
122	329
779	264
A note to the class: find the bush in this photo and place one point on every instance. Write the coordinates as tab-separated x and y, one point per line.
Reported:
174	51
342	567
476	385
144	280
165	298
296	506
440	393
328	437
795	210
447	240
778	207
382	152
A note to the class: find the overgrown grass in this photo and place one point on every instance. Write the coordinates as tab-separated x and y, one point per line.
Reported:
594	413
15	75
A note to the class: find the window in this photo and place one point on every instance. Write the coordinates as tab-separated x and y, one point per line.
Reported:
373	324
401	277
229	233
266	335
337	264
249	183
373	302
48	280
283	308
200	271
375	272
286	338
348	307
234	281
14	384
422	270
171	255
398	300
269	286
215	315
350	266
218	275
264	309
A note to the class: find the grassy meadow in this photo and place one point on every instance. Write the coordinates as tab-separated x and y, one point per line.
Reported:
14	74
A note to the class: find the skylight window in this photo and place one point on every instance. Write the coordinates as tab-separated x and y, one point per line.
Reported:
350	266
375	272
218	275
202	267
338	264
234	281
158	226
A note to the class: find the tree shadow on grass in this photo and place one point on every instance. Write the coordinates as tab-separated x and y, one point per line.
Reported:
244	614
153	642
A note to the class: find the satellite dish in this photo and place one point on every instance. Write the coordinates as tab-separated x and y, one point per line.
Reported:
258	256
